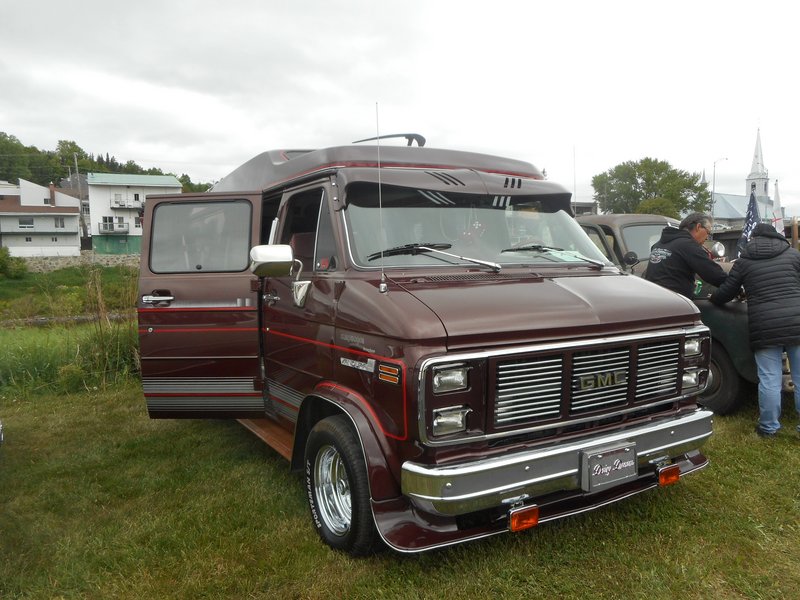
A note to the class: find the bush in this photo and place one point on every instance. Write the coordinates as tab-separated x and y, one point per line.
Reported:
11	267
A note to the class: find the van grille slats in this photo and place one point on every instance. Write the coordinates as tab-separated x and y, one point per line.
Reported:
658	370
528	389
549	387
614	388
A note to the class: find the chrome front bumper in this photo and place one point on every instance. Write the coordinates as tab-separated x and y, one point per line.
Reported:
507	480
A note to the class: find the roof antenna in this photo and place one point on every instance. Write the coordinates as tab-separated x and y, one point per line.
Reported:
383	287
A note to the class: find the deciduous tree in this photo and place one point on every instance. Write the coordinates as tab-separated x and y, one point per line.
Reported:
662	188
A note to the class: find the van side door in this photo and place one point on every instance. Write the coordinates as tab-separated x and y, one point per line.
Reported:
198	321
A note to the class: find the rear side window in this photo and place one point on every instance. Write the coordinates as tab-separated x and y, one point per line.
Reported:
200	237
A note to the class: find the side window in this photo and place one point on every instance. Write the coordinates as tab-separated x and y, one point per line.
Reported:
326	244
308	230
201	237
594	235
614	243
269	212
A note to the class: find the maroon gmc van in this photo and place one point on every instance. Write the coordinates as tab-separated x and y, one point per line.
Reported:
426	334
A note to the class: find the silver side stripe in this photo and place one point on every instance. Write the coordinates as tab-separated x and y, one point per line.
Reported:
244	302
209	404
197	385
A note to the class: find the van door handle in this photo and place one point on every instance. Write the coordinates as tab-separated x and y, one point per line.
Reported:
156	299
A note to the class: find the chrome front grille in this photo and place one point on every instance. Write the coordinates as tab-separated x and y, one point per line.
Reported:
657	370
572	384
599	380
528	390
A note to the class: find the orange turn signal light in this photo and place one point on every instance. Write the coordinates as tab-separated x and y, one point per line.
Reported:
523	518
669	475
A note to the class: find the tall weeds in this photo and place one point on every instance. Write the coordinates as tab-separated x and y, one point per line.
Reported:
65	358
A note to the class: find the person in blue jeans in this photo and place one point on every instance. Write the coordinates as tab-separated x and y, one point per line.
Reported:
769	271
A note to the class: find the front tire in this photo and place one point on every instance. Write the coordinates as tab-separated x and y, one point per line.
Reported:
338	487
725	390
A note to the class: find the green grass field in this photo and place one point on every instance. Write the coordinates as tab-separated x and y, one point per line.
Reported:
99	501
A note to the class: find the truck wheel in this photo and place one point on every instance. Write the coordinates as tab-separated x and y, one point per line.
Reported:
724	392
338	488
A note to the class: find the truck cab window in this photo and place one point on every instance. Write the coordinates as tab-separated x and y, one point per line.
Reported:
308	230
269	212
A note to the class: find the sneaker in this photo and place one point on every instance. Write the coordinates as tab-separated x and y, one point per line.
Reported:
765	434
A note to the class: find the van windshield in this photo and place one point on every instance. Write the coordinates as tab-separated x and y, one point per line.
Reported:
506	230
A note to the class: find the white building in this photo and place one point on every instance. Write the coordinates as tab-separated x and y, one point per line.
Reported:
116	202
37	221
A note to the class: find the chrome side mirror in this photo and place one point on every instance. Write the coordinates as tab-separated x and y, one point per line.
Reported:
274	260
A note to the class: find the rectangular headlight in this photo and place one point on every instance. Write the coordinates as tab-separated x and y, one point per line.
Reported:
692	346
451	419
693	378
451	378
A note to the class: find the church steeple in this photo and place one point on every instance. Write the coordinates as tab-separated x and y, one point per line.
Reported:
758	172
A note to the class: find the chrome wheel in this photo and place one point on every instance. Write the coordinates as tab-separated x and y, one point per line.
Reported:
338	488
332	488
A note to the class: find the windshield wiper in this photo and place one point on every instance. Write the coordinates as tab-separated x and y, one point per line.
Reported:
537	247
410	249
436	248
554	250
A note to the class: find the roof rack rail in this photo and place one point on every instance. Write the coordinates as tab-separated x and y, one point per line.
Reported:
410	137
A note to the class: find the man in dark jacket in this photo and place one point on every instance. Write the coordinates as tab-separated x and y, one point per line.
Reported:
769	270
679	255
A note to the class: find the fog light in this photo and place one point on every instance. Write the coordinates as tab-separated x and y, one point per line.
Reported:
450	420
450	379
669	475
523	518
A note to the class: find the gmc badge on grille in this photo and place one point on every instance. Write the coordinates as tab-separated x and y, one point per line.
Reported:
601	380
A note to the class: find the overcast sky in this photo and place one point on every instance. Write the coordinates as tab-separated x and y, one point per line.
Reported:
576	88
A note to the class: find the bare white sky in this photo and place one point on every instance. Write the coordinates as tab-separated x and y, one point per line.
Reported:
575	87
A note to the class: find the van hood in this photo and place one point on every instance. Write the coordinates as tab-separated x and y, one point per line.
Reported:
533	308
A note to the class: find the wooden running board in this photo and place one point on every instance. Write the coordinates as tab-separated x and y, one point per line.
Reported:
273	434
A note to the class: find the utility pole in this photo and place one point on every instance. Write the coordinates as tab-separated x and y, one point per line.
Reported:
714	184
80	197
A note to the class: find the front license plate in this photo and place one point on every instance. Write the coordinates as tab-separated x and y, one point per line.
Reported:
602	468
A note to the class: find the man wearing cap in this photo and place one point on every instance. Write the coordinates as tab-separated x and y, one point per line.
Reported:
769	271
679	255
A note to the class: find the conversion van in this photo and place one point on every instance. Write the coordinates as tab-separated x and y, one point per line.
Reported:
426	335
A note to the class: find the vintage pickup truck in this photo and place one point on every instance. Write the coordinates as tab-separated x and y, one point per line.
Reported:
626	239
427	335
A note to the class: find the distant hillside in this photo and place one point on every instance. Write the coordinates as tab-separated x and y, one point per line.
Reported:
18	161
